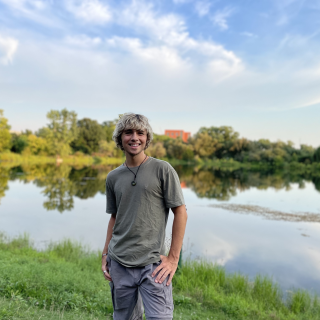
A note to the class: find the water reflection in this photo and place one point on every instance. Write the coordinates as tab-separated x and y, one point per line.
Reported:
4	178
224	184
60	184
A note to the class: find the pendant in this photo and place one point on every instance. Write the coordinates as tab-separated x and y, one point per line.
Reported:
133	183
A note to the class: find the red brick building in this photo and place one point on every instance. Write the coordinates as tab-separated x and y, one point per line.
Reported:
174	134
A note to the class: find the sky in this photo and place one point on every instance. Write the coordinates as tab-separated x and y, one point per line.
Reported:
185	64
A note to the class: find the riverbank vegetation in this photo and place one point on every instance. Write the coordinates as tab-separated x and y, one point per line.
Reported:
65	137
64	281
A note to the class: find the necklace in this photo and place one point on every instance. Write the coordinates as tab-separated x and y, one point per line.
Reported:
133	183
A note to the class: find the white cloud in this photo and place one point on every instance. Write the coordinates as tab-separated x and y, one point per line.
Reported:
180	1
169	41
220	17
202	8
83	41
248	34
287	10
25	4
141	17
161	55
8	47
35	10
92	11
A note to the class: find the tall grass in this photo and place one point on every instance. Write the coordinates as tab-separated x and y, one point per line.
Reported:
212	287
66	277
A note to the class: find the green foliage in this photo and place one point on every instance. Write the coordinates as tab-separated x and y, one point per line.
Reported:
204	145
109	149
156	150
5	136
177	149
36	145
60	132
89	136
18	142
301	302
160	138
108	128
18	308
316	155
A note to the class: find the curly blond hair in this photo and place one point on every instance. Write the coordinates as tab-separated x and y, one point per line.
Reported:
132	121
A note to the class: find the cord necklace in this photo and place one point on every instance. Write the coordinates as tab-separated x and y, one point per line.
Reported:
133	183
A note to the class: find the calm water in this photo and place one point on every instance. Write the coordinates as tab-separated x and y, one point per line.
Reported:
267	223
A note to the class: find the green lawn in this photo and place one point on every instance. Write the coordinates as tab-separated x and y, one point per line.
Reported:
65	282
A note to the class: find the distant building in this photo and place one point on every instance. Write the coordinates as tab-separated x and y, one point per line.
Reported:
174	134
183	185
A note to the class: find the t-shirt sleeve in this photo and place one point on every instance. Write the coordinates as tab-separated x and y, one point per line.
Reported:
111	198
172	189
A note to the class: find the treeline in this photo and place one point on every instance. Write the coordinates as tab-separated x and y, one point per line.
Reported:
65	135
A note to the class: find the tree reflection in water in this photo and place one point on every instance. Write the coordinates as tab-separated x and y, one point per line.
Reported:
4	178
60	184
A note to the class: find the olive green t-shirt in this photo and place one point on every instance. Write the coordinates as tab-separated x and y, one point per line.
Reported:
141	211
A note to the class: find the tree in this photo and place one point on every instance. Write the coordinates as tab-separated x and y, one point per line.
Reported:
108	128
89	136
109	149
222	134
60	132
18	142
177	149
5	136
36	145
160	138
204	145
316	155
239	145
220	141
306	154
156	150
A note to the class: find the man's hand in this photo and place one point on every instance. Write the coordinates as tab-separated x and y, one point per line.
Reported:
105	268
168	266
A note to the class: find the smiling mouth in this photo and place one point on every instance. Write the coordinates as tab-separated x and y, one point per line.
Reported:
134	145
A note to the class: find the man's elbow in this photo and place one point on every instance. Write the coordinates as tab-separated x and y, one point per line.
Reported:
181	211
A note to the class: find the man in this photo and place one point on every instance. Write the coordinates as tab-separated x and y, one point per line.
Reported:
140	194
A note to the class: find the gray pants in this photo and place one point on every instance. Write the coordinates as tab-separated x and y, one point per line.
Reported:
130	287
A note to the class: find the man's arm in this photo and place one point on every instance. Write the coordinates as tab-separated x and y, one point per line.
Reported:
169	264
104	266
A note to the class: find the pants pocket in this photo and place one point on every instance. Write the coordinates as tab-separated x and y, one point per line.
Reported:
169	299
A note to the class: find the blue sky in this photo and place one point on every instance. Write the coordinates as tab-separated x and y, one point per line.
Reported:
253	65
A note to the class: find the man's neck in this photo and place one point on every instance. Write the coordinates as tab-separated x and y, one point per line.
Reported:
135	160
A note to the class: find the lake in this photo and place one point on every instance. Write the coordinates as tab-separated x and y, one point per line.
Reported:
250	222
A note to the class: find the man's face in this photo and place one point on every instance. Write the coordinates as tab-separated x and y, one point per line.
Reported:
134	141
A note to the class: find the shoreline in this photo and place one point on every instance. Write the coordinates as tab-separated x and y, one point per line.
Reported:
66	278
9	159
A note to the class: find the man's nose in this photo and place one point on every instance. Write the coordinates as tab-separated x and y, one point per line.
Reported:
134	136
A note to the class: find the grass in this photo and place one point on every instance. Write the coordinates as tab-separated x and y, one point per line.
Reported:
65	281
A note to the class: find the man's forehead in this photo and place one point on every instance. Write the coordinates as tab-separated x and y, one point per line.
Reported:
135	129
